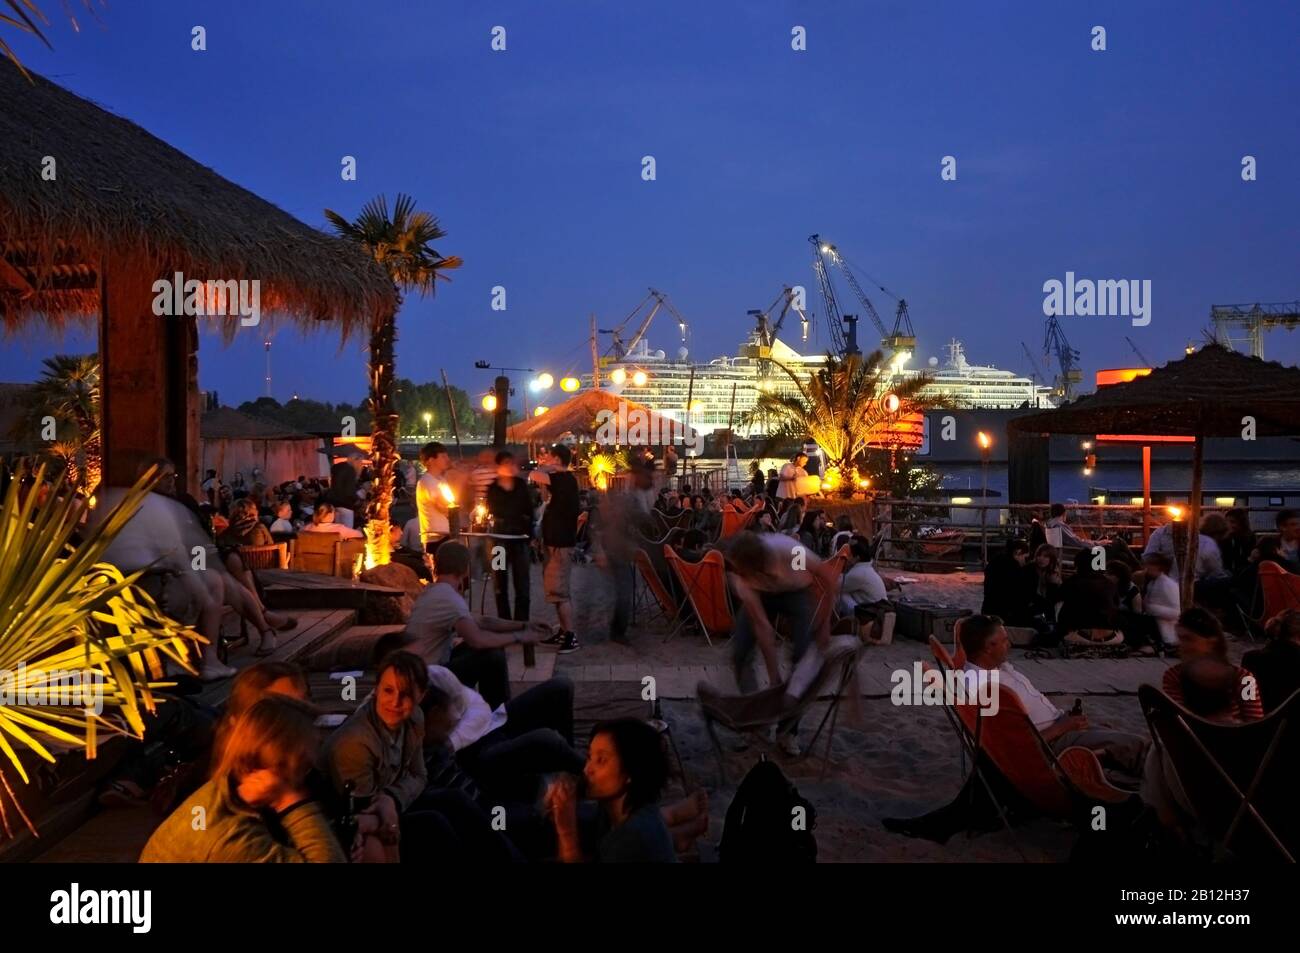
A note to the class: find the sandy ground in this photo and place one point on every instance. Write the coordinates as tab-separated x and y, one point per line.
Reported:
885	760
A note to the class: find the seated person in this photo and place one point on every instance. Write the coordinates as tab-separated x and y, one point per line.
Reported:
1006	585
1277	664
1139	629
256	808
694	546
810	531
1088	600
861	585
1209	688
322	521
1162	599
377	758
625	772
1200	634
408	549
441	615
282	527
246	529
1057	523
987	646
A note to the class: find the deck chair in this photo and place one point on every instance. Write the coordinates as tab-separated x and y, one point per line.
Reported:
1281	589
1239	780
315	552
667	523
771	706
705	587
660	596
734	521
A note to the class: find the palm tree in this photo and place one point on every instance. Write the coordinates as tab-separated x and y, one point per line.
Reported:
26	24
844	406
69	391
401	244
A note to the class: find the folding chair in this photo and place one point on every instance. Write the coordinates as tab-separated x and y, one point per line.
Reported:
826	599
705	586
668	523
772	706
660	596
1281	589
1239	780
733	521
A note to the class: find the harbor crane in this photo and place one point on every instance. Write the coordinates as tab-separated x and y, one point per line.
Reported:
1035	369
767	330
1067	358
1141	357
901	339
621	349
1253	320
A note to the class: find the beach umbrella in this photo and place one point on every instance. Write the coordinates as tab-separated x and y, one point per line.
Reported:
1213	392
586	414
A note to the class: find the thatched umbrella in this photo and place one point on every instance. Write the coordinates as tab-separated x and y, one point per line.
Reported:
94	210
635	422
1214	392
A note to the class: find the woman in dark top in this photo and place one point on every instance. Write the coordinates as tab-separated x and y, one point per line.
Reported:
1088	598
1238	544
511	504
625	774
1277	665
1007	587
1044	575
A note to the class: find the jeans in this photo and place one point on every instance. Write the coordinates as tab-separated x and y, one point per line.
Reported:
797	607
1118	750
537	739
483	670
517	560
621	574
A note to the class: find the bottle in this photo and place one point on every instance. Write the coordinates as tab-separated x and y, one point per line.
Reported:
347	823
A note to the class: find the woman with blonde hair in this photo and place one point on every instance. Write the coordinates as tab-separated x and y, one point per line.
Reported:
322	521
258	681
256	808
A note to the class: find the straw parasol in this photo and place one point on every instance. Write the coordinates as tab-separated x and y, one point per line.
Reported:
1213	392
119	192
579	417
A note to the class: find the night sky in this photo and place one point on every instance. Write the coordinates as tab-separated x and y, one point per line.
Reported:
1117	164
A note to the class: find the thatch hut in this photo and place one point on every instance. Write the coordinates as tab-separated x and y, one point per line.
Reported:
94	210
582	416
1213	392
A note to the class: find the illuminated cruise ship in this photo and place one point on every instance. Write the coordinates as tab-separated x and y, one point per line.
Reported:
726	389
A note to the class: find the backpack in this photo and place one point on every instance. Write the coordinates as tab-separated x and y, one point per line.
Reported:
759	826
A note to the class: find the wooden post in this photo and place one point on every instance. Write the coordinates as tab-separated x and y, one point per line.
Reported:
1146	493
1193	523
148	378
451	409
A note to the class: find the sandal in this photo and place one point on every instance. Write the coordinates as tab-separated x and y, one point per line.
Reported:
267	645
290	622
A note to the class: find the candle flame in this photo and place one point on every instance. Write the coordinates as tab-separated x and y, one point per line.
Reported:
447	495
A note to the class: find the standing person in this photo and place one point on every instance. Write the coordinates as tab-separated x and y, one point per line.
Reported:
1238	542
511	504
670	465
788	483
559	536
429	501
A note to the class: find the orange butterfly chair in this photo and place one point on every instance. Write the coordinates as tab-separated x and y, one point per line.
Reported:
668	606
826	600
734	521
1281	589
705	586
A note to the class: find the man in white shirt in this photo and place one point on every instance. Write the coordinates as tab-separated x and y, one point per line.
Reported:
429	501
441	615
987	646
1209	561
861	585
787	486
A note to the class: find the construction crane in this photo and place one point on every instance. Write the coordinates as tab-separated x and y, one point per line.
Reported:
1141	357
621	349
1254	319
767	330
1067	358
1035	369
901	339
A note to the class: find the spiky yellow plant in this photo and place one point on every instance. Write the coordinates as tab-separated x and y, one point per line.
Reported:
65	614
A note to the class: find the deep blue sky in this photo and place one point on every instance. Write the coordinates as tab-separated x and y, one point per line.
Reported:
1122	164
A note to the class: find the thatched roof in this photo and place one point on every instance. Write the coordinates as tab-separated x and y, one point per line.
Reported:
1207	393
119	189
226	423
578	416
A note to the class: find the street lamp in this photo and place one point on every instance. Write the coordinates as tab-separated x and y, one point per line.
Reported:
545	381
489	402
428	421
570	384
985	442
639	379
618	377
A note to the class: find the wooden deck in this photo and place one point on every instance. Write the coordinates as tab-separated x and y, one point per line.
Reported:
289	590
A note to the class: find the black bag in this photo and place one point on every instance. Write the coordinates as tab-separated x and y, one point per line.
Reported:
762	825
